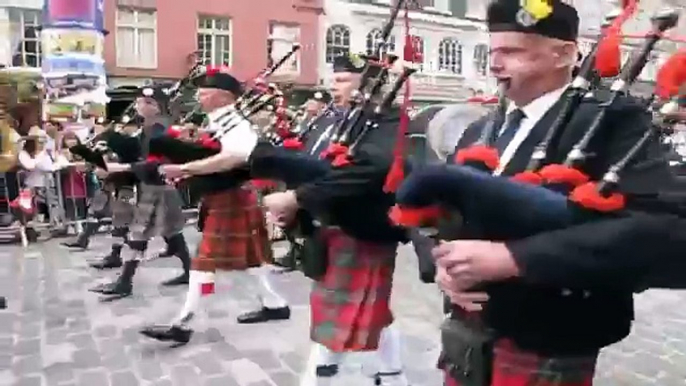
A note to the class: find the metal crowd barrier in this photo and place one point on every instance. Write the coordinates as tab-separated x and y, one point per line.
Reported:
60	210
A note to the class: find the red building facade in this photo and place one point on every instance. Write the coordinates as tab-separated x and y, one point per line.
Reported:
160	39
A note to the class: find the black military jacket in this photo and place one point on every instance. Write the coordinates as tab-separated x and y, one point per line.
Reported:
575	295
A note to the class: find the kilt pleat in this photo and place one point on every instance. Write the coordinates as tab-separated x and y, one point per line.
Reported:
515	367
234	235
350	304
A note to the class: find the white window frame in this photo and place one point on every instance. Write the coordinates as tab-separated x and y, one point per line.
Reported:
450	58
339	33
296	56
373	39
482	59
214	32
36	22
136	27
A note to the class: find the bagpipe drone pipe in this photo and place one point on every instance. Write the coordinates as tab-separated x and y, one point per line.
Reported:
532	202
349	135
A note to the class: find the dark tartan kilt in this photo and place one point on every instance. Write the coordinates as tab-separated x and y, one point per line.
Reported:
515	367
234	235
350	304
123	207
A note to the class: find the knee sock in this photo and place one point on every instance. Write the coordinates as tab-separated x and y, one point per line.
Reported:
389	350
319	356
200	284
269	297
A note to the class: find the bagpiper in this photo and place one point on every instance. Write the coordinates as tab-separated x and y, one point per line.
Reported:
158	204
350	300
234	233
118	195
538	310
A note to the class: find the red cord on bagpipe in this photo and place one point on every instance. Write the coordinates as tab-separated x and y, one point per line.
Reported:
396	174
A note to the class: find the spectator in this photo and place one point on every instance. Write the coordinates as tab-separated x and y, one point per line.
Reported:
37	164
73	181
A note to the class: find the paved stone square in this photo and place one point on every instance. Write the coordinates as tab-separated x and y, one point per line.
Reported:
56	333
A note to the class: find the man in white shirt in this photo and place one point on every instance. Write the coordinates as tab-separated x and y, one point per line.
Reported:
235	236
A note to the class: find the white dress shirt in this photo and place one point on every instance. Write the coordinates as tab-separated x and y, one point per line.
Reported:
533	112
240	139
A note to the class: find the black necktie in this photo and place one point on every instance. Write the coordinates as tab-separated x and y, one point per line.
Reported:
512	123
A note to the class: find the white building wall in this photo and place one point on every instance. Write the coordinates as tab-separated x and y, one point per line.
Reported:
430	84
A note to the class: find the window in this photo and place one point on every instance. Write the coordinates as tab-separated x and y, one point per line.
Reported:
450	56
481	59
25	39
214	41
281	40
136	38
374	40
337	42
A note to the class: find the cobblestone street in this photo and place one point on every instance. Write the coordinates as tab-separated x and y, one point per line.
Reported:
55	332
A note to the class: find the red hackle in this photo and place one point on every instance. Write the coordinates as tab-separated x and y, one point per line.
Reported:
414	217
262	185
214	70
527	177
479	153
671	76
589	196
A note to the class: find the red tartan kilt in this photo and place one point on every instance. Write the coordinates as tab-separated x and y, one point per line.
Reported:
515	367
234	236
350	304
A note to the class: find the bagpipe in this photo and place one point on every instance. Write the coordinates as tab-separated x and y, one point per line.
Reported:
368	108
554	196
170	148
113	140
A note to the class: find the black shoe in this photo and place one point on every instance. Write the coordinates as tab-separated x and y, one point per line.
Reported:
80	243
167	333
179	280
378	378
83	239
122	287
327	371
114	288
3	302
113	260
264	315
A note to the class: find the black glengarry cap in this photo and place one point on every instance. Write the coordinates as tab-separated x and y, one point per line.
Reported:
218	79
549	18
